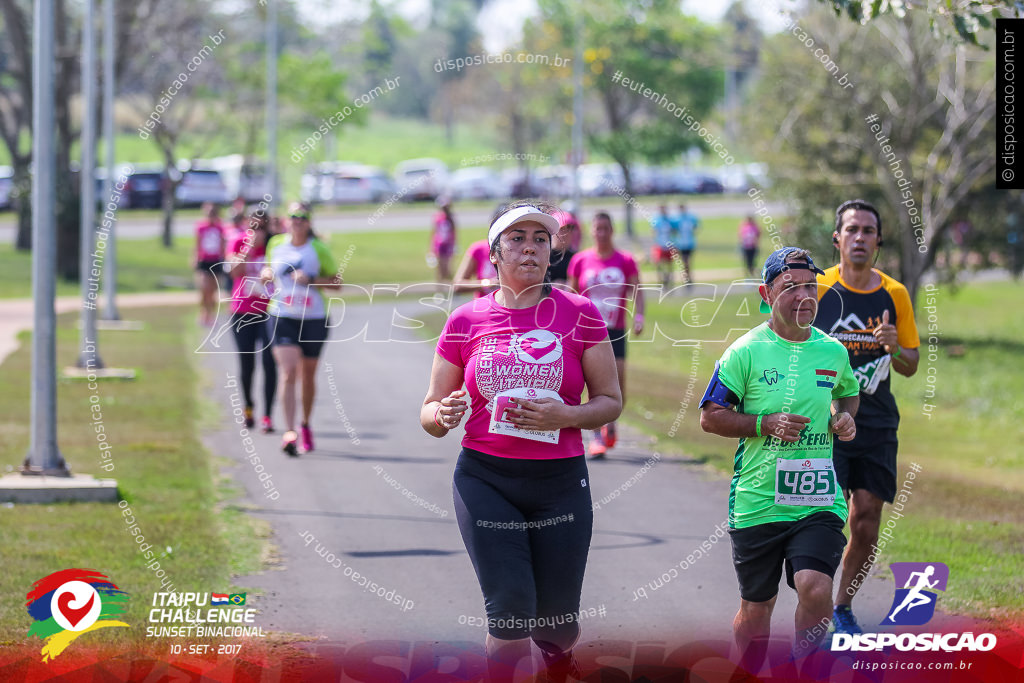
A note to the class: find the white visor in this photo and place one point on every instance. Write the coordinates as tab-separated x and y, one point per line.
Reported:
522	214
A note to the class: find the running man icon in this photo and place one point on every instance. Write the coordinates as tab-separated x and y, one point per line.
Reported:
920	580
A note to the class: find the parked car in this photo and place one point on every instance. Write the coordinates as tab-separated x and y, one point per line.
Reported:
357	184
6	186
145	188
519	184
421	178
475	182
200	185
601	180
245	178
554	181
318	180
692	182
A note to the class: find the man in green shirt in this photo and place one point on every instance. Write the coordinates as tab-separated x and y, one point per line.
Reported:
784	389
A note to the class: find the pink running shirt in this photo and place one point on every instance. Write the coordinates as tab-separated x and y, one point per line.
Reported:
209	241
481	253
250	294
532	353
606	283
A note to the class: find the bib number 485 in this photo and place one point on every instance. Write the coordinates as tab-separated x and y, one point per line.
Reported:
806	482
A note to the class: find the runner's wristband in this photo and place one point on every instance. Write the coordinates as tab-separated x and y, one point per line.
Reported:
435	417
897	352
757	425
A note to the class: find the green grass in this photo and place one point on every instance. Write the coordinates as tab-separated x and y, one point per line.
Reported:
168	479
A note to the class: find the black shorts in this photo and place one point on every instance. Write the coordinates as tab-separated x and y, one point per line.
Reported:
617	337
309	334
212	267
868	462
758	552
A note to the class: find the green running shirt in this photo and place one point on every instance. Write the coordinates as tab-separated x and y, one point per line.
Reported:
776	481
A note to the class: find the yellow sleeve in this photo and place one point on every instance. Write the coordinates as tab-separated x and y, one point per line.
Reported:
906	328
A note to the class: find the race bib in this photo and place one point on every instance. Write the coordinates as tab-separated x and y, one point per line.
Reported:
500	423
810	481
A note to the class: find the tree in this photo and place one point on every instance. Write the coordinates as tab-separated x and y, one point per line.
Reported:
967	19
182	41
912	137
16	124
672	64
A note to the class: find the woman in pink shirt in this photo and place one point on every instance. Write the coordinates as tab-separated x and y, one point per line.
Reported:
610	279
750	234
209	256
522	497
249	318
476	272
443	238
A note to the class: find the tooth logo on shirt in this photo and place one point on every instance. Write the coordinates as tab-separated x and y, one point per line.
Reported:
537	347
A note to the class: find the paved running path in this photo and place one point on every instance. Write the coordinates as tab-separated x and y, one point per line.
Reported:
337	497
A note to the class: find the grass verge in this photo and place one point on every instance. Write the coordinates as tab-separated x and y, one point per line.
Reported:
172	485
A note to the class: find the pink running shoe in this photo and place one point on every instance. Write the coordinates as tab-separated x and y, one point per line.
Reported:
307	438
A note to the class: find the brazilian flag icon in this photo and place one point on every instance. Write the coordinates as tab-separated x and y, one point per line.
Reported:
237	598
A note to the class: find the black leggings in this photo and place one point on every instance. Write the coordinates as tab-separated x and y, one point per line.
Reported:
252	336
527	527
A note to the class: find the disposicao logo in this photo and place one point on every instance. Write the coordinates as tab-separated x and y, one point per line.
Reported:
69	603
914	605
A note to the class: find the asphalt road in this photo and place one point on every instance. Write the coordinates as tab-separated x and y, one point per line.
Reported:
338	499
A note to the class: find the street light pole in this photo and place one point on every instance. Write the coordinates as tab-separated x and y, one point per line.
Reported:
44	457
88	355
577	112
271	110
110	262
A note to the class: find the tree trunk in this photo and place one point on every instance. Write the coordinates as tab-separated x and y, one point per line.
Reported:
167	201
21	194
68	209
68	215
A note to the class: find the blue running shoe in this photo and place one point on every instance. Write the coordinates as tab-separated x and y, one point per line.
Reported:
843	620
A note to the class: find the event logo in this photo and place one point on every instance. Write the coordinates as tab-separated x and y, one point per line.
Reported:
69	603
770	377
537	347
914	603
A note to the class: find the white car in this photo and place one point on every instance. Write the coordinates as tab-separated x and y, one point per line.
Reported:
199	185
475	182
601	180
421	178
357	184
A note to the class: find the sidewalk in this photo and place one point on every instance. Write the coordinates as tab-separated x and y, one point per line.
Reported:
18	314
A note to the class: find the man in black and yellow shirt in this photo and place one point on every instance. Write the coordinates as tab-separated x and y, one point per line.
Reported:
871	314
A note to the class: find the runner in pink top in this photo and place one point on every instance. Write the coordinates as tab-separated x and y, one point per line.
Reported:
442	239
511	353
522	495
209	256
610	279
476	272
249	319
